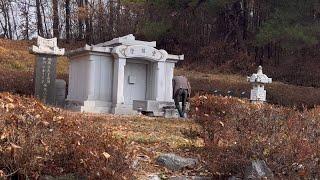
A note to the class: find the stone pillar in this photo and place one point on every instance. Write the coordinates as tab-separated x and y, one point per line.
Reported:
118	84
160	87
92	81
45	69
169	86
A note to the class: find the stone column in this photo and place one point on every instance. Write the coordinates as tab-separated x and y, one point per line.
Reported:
118	83
169	86
92	81
45	69
160	88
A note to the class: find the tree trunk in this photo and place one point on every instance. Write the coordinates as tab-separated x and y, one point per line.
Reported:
44	21
67	6
80	23
39	18
87	23
111	18
55	18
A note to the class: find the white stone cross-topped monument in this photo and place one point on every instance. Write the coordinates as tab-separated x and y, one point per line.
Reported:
121	76
258	93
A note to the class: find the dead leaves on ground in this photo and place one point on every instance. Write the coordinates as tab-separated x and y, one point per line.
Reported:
37	138
237	131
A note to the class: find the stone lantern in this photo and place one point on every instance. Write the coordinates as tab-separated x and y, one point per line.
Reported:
258	93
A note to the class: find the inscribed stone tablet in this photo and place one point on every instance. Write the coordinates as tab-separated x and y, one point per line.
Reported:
45	75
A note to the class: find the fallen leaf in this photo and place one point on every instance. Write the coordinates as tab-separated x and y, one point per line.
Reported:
106	155
2	173
4	136
14	146
45	123
10	106
43	143
9	99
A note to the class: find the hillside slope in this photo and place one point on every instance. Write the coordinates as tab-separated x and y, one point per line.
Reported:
237	132
16	75
225	136
36	140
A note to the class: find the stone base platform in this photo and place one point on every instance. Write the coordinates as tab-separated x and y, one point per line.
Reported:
156	108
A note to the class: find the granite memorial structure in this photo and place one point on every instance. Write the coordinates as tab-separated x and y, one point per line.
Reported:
258	81
46	52
121	76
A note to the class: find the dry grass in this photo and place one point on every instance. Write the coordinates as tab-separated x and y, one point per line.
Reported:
37	140
237	132
15	56
17	66
277	93
16	74
148	137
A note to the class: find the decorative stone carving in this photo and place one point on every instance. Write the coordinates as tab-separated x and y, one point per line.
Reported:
127	40
47	46
141	52
258	93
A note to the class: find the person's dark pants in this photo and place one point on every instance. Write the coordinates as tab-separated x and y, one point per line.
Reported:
181	96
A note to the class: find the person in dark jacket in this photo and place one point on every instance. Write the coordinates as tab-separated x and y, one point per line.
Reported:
181	93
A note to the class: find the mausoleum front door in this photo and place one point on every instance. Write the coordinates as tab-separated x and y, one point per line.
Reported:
135	82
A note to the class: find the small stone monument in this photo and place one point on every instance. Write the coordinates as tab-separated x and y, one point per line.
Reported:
258	93
60	92
45	69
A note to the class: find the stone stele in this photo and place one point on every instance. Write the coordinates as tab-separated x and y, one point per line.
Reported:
45	69
113	76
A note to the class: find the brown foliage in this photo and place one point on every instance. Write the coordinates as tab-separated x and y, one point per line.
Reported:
20	82
37	140
16	82
237	132
277	93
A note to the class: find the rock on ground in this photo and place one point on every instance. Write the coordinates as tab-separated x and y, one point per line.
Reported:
258	170
190	178
64	177
176	163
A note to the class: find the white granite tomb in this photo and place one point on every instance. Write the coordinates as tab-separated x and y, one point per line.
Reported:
258	81
109	77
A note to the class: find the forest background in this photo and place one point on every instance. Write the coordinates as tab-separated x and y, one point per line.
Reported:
229	36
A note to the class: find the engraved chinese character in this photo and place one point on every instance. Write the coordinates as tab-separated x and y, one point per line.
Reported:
132	51
154	53
143	50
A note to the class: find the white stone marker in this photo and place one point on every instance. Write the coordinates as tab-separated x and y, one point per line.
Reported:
111	77
258	93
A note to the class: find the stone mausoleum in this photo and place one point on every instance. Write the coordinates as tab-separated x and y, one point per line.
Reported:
121	76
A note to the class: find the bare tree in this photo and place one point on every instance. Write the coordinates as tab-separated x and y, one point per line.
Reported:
67	8
39	18
55	11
